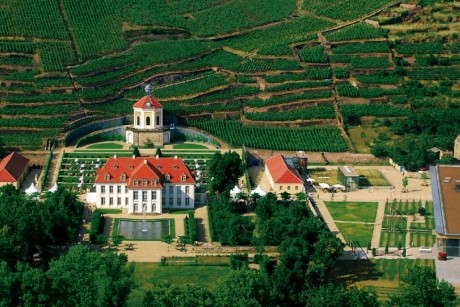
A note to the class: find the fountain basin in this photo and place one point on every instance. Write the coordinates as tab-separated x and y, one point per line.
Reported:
148	230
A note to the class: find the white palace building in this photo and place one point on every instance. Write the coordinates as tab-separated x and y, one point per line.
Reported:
144	184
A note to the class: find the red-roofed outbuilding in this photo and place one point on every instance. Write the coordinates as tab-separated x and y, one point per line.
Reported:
13	169
282	176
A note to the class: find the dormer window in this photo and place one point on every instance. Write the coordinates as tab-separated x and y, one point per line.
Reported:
144	182
131	166
136	183
159	166
168	177
175	167
123	177
154	182
107	177
115	166
183	177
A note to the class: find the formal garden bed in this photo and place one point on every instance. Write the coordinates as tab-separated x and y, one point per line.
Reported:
395	228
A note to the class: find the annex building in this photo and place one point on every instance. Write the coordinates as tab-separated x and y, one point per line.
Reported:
148	122
445	185
145	184
13	169
282	176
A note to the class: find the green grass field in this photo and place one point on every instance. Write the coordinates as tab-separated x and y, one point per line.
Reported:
189	146
327	176
205	276
353	211
361	233
372	177
105	145
393	239
382	275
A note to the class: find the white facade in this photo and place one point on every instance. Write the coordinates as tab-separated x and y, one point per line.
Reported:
171	196
148	119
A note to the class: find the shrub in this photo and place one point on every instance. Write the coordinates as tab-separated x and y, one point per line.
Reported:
97	225
239	261
422	211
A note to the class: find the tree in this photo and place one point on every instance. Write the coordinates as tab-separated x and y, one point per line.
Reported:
420	287
301	197
2	148
117	240
86	278
243	288
164	294
331	295
136	152
405	183
101	240
168	239
424	177
379	150
224	171
285	196
158	152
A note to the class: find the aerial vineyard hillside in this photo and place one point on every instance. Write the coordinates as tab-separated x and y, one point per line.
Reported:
261	64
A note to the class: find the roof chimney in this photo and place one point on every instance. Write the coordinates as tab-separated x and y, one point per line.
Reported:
134	157
175	157
145	161
115	156
157	156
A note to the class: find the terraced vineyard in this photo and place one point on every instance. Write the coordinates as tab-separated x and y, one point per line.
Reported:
316	64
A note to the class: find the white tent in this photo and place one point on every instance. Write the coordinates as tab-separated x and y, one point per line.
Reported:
32	189
324	186
54	188
311	180
259	191
235	191
338	187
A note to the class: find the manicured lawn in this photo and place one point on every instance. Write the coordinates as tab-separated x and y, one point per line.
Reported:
422	239
361	233
189	146
110	211
404	207
105	145
379	274
352	211
327	176
393	239
181	211
392	269
205	276
372	177
394	223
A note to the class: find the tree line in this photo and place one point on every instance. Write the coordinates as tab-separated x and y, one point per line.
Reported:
39	264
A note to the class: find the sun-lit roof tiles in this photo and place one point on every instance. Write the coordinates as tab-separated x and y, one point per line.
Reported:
12	167
281	172
148	102
142	172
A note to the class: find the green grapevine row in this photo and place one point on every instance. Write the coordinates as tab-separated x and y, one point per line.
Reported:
280	138
316	112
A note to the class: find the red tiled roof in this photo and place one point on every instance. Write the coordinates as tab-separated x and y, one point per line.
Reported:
144	168
281	172
12	167
148	102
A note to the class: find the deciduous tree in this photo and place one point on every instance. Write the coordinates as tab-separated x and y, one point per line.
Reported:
420	287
